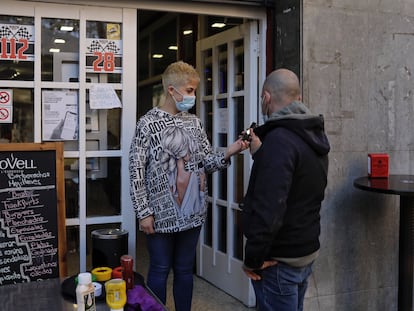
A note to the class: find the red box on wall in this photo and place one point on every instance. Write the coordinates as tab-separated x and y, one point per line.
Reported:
378	165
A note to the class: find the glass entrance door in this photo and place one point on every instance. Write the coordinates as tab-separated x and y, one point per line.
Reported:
228	103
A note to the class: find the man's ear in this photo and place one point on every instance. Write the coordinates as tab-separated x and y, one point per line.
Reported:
266	95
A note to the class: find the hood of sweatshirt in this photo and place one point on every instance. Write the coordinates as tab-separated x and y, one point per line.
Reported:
297	118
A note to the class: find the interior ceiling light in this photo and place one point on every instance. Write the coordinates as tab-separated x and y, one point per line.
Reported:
187	32
173	47
57	40
66	28
53	50
157	55
218	25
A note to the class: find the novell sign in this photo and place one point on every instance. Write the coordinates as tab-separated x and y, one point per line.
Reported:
6	106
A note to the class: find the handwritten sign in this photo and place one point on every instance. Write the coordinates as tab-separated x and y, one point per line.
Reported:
32	224
103	96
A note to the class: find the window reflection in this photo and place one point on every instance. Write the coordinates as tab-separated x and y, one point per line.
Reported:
60	50
103	186
208	230
222	54
222	186
238	166
238	236
222	228
238	185
71	187
238	65
208	72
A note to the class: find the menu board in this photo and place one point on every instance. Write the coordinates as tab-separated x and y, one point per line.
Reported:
32	212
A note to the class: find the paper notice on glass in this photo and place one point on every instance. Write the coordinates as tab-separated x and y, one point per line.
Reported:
103	96
223	120
60	115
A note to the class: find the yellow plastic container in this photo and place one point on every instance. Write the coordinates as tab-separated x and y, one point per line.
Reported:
116	294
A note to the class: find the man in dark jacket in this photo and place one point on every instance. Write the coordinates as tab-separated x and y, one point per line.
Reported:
281	210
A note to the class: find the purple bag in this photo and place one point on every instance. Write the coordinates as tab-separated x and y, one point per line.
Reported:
138	299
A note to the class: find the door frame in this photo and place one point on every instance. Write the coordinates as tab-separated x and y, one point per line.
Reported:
223	268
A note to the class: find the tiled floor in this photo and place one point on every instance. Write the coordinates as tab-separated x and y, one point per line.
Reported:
206	297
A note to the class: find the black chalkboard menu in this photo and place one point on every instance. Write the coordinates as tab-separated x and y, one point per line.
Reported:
32	212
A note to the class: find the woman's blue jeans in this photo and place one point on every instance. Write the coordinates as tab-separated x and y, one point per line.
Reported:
176	251
282	288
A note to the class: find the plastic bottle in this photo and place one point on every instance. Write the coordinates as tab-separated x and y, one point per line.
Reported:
127	264
116	294
85	292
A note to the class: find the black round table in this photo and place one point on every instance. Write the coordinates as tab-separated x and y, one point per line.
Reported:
402	185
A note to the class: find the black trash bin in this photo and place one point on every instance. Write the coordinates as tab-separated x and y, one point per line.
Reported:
108	245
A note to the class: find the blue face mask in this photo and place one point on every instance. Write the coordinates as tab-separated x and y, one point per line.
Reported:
186	103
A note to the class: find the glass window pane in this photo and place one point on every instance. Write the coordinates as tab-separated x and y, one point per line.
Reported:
208	72
238	65
238	177
223	111
71	187
238	236
21	126
103	186
208	235
72	244
103	128
238	166
222	61
114	129
60	50
103	52
17	48
222	229
239	124
208	120
222	184
210	184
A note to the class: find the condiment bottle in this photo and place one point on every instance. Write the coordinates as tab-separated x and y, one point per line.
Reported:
116	294
85	292
127	270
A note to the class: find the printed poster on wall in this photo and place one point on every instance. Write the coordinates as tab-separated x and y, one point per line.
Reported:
103	55
60	115
17	42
